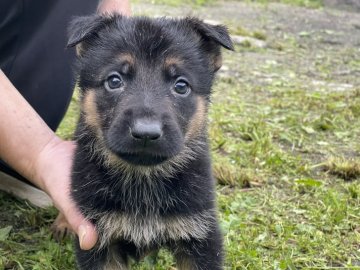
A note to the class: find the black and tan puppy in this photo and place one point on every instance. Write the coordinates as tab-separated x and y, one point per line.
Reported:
142	170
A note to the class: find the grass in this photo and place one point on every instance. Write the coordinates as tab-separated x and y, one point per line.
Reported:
197	3
193	3
25	239
285	147
345	168
302	3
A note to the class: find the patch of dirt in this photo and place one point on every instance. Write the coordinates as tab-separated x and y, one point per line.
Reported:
349	5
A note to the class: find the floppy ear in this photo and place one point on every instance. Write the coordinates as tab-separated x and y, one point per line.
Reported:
84	29
212	37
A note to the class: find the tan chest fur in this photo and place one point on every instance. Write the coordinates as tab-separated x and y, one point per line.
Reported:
155	229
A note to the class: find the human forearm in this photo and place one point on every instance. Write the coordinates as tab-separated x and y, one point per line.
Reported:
110	6
23	134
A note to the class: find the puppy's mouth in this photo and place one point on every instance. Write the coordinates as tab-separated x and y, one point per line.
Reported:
142	159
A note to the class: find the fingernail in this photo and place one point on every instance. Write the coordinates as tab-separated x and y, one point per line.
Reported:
82	234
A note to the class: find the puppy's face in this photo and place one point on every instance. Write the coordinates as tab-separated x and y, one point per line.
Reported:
146	83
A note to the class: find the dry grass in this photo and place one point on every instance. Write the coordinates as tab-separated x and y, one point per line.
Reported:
345	168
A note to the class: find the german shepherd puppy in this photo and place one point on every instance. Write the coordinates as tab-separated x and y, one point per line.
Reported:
142	170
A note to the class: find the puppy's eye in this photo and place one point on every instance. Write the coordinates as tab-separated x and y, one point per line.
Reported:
114	82
182	87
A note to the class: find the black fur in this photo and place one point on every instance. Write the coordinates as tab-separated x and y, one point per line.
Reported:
137	159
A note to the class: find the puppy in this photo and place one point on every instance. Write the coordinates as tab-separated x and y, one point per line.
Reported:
142	169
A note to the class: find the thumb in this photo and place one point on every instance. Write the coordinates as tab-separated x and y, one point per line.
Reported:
83	228
87	235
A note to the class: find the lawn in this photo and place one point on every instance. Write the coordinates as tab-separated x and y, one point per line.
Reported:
284	126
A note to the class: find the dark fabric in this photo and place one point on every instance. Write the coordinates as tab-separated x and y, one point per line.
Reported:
33	55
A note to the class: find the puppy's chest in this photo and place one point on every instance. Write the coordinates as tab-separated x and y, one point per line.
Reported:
155	229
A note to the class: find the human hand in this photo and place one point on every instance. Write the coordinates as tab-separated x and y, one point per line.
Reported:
53	167
30	147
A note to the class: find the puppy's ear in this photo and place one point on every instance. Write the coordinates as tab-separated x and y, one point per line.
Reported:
84	29
212	37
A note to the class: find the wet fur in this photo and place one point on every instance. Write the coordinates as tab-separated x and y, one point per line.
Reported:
140	207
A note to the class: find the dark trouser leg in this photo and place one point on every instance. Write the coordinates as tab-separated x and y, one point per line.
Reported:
32	51
33	55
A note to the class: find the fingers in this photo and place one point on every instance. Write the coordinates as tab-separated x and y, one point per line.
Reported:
85	231
60	228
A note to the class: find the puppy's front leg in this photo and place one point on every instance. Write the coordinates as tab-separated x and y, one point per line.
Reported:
206	254
108	258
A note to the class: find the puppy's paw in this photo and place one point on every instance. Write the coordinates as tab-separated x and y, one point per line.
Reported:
61	228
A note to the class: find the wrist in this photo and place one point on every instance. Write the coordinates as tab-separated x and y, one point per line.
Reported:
44	164
114	6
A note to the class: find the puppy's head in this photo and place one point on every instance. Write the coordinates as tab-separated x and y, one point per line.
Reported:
145	83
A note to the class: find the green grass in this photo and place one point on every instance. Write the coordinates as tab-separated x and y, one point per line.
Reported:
68	124
285	147
25	239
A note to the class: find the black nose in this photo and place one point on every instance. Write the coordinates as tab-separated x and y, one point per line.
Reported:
146	130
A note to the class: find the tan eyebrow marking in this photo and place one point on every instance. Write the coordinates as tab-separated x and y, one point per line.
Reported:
128	62
173	61
127	57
